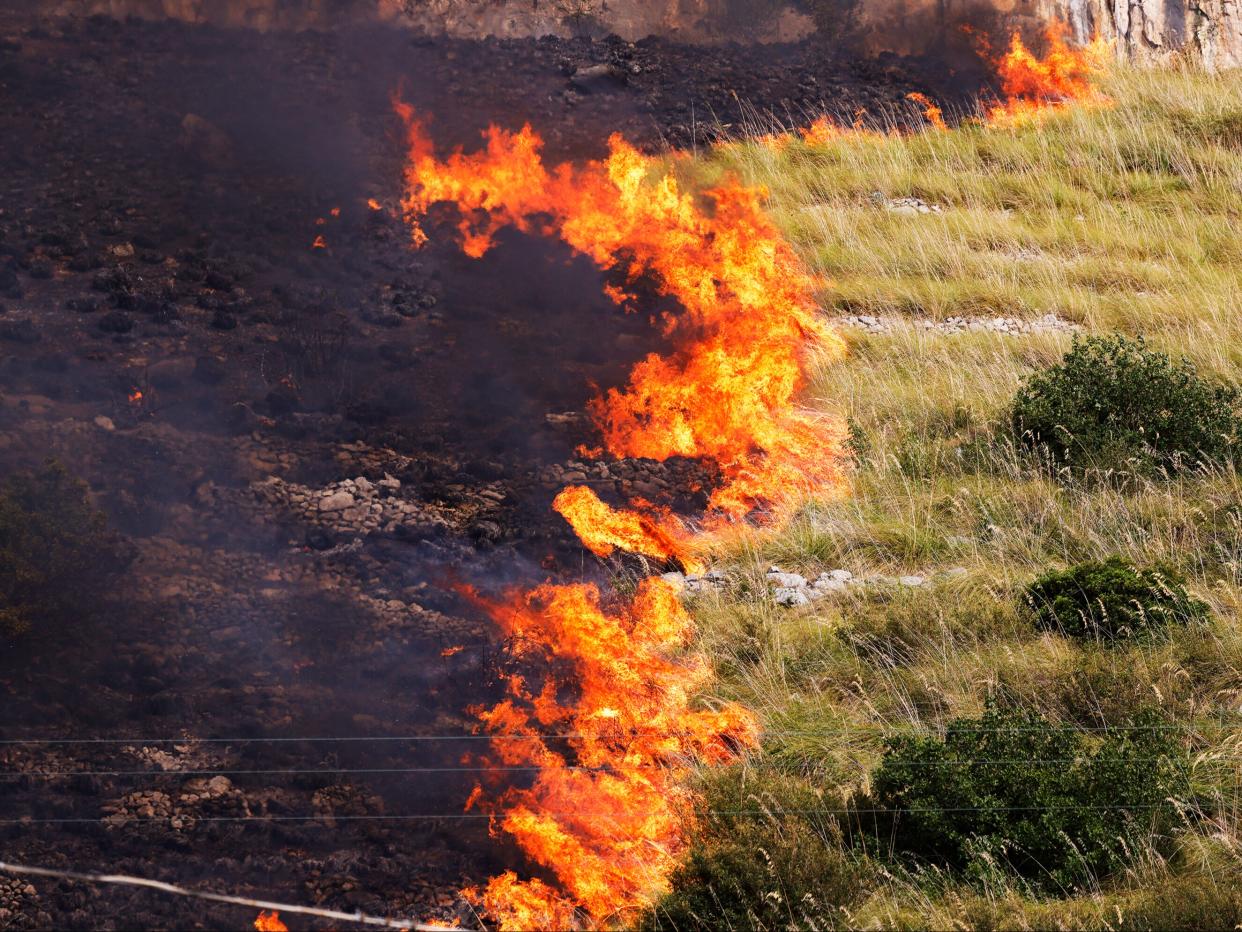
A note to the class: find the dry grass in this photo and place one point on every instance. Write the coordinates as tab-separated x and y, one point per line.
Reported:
1121	218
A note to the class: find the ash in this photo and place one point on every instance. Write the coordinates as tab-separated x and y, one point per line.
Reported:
210	311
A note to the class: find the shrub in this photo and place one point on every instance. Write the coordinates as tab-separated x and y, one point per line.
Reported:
776	863
1011	793
1113	403
56	554
1111	599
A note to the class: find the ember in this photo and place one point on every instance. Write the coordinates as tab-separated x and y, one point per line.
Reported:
270	922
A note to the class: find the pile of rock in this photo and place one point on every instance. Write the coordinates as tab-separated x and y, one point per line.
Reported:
791	589
351	506
1012	326
18	905
628	477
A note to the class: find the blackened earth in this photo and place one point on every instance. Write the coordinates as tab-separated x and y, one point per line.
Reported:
307	445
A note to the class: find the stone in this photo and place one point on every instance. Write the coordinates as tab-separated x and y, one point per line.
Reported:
790	597
104	422
336	501
911	581
362	484
786	580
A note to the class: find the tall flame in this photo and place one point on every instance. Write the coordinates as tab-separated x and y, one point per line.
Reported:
1032	86
728	391
613	728
608	812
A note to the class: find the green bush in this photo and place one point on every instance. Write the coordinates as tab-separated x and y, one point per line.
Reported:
1112	403
1111	599
1011	794
56	553
765	857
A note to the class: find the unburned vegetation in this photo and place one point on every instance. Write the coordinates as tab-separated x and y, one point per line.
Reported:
1023	708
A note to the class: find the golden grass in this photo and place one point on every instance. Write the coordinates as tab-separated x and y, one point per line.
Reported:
1128	218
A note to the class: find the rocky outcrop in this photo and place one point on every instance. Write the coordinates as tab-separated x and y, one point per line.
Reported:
1154	30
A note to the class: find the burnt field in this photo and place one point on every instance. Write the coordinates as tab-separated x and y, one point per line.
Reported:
306	432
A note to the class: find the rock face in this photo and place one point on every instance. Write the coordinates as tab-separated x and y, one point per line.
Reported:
1152	30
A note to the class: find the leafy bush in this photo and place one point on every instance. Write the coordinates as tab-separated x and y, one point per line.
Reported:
1111	599
1113	403
56	554
777	862
1013	793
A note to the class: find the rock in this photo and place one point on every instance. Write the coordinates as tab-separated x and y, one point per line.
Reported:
336	501
104	423
911	581
790	597
676	580
786	580
1153	30
122	250
363	485
955	572
826	583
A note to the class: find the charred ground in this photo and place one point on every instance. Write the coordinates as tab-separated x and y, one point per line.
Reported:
304	445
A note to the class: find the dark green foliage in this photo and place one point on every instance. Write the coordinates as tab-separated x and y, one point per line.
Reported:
1111	599
56	554
1112	403
1011	792
775	861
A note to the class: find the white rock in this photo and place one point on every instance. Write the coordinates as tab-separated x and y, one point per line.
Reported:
841	575
786	580
336	501
676	580
790	597
911	580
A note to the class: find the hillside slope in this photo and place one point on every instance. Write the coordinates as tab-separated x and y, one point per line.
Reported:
1103	219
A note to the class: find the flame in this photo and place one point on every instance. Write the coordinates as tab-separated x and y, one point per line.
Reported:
727	393
319	243
374	204
270	922
335	212
608	813
1033	86
453	650
603	529
932	112
135	397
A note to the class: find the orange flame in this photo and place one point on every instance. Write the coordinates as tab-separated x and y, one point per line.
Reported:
1033	86
374	204
608	813
932	112
270	922
603	529
319	243
727	393
135	397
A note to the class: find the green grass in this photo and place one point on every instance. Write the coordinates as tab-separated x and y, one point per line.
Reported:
1124	218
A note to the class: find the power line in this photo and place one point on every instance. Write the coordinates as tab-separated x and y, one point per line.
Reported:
819	732
482	768
473	816
175	890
